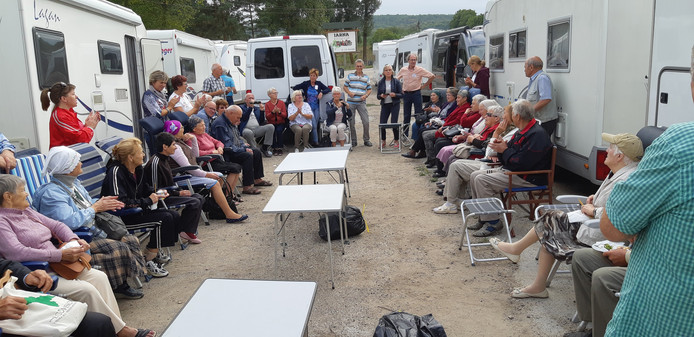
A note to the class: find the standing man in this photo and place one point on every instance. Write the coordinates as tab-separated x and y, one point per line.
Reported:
539	93
214	85
253	124
358	89
229	83
657	295
411	78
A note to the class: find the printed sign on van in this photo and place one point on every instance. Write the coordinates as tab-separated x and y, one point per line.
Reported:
343	41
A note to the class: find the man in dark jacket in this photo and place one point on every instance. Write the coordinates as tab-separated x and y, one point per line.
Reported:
157	174
253	125
12	307
530	149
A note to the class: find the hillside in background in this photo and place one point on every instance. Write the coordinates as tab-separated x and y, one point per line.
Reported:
439	21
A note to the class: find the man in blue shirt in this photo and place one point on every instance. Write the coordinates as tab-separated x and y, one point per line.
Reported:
229	83
539	94
7	160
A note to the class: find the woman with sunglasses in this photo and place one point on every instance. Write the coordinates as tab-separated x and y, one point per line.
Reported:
65	128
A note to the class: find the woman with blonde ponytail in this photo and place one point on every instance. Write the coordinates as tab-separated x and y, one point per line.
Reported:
65	128
480	75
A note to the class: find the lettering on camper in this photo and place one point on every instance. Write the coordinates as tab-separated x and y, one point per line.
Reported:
45	14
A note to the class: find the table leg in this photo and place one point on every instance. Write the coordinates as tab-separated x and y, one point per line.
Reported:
342	224
330	249
277	218
349	193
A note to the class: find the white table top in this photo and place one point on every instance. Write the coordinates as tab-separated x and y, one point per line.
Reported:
256	308
303	198
329	148
313	161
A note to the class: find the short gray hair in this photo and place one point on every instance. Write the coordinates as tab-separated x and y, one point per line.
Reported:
523	109
496	110
10	183
193	121
463	93
359	61
215	65
535	62
337	90
158	75
452	90
616	151
479	98
271	90
488	103
296	93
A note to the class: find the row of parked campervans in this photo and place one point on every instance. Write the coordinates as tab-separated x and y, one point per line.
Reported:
105	50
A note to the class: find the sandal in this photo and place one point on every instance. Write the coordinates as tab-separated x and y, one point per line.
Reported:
251	190
144	332
263	183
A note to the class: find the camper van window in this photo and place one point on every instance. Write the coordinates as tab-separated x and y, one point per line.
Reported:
110	57
419	55
51	60
516	46
558	45
237	61
269	63
496	53
188	69
304	58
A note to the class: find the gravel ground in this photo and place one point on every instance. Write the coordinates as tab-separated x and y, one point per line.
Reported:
408	261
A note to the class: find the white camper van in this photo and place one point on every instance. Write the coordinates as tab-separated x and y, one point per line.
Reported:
384	53
232	56
284	61
615	65
186	54
451	50
95	45
422	44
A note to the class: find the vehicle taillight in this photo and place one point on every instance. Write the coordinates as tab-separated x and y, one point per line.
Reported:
601	170
285	37
248	91
431	86
330	87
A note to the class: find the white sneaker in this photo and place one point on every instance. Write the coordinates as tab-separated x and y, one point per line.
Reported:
156	270
162	258
446	209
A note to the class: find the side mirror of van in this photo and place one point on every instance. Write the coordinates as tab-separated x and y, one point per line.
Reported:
340	73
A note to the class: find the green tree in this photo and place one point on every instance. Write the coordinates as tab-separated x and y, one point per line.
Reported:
368	8
293	17
384	34
466	17
169	14
218	20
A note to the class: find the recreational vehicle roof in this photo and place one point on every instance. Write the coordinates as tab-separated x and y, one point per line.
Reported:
288	37
108	9
182	38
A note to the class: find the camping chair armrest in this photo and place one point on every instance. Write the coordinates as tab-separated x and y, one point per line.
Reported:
527	172
126	211
572	199
84	234
36	265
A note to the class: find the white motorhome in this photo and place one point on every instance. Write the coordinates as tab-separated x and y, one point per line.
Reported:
186	54
96	45
232	56
451	50
282	62
422	44
615	65
384	53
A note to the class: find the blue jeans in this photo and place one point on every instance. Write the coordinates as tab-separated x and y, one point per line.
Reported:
415	131
277	139
408	99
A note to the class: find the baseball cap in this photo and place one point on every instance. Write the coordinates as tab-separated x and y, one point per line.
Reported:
629	144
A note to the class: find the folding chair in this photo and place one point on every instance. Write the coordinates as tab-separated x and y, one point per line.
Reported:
397	127
535	195
477	207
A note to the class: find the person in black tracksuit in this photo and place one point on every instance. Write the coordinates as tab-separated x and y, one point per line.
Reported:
157	174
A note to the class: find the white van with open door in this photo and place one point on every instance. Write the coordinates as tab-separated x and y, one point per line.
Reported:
282	62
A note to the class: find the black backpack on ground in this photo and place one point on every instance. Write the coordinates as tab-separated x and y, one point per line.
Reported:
353	218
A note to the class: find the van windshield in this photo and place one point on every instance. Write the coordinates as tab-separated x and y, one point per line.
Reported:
304	58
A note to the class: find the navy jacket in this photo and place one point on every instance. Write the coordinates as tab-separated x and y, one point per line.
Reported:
18	270
331	109
259	116
395	86
530	149
303	86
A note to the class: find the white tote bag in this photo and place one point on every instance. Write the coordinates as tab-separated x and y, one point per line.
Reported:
48	315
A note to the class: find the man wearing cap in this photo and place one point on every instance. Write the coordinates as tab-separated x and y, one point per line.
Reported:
657	204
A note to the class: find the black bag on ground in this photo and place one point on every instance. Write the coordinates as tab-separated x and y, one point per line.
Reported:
354	221
214	212
402	324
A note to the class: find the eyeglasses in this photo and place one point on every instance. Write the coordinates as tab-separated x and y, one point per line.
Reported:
489	114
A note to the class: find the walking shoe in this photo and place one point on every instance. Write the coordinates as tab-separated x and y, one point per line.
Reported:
162	258
477	225
156	270
190	237
368	143
439	191
124	291
440	184
446	209
487	229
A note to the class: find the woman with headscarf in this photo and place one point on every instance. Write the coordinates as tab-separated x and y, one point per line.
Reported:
184	155
154	102
66	200
25	235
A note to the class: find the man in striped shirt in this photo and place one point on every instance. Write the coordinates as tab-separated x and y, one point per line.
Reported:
358	88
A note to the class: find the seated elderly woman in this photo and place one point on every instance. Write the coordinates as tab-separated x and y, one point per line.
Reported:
430	110
417	150
125	179
300	116
66	200
25	235
560	237
338	112
477	138
184	155
210	146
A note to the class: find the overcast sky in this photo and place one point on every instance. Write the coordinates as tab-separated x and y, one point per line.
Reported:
414	7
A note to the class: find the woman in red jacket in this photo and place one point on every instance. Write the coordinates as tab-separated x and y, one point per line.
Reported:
65	128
